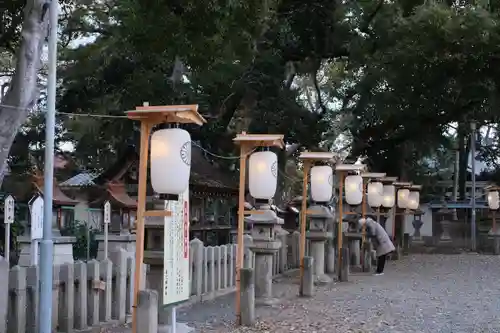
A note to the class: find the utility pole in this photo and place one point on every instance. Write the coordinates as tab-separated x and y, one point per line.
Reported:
47	245
473	189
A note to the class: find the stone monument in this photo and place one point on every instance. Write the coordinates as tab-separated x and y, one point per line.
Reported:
318	235
444	216
264	246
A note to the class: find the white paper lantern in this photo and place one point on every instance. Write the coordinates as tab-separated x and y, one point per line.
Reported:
321	183
413	200
170	160
375	194
403	195
389	192
354	190
263	174
493	200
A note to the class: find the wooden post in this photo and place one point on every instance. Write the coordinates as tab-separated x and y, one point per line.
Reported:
141	207
303	222
395	208
241	216
363	213
341	213
494	221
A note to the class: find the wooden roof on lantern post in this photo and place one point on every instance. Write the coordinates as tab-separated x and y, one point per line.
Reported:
260	140
182	114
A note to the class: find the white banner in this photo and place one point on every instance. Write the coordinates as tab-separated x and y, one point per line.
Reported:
176	284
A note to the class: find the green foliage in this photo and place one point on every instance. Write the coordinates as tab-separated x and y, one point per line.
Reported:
86	245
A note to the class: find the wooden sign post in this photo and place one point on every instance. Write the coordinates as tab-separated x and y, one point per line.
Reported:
106	220
8	218
36	210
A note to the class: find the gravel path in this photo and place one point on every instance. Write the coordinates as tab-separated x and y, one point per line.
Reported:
420	293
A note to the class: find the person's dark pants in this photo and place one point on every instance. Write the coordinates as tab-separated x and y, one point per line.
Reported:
381	263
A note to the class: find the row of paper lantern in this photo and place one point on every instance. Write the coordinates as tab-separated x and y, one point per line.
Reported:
379	195
171	166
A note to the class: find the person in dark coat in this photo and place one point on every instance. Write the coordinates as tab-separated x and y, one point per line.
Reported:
381	241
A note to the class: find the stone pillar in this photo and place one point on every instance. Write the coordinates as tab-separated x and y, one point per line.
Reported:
330	257
247	297
147	311
317	236
264	246
367	256
406	243
355	252
308	279
343	265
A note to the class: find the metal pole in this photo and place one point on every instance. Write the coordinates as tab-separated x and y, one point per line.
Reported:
473	190
46	245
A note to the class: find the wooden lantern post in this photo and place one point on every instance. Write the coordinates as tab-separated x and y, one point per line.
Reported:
367	177
308	159
150	116
384	211
398	186
248	143
341	171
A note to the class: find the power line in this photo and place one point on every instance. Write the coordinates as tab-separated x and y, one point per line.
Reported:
93	115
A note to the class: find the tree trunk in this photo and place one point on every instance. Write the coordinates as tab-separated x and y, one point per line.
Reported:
464	159
23	89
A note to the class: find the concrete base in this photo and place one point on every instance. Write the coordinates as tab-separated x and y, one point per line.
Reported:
179	328
322	279
63	250
115	243
266	301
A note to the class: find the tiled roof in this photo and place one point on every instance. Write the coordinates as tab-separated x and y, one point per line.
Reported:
81	179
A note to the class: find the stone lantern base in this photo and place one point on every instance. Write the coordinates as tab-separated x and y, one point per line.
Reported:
115	243
264	252
63	250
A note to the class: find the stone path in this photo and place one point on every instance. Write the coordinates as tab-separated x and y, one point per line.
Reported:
421	293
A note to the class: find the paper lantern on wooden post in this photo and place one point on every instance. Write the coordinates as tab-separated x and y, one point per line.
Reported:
321	183
170	160
493	200
375	194
413	200
263	174
403	196
354	190
388	198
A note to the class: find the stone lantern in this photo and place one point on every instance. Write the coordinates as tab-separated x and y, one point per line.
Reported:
318	234
417	224
264	246
444	216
